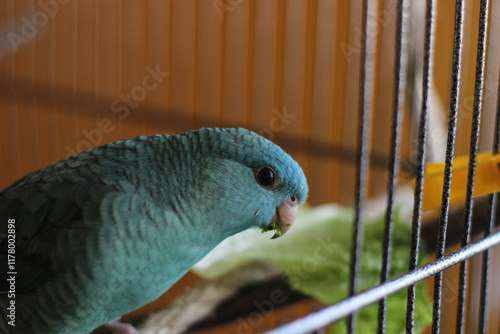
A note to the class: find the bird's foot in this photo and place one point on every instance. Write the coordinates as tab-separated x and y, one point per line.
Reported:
115	327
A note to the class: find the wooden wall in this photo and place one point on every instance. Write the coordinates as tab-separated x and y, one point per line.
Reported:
77	74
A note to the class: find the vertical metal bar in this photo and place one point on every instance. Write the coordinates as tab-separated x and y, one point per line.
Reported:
400	74
492	205
420	163
474	140
450	148
367	76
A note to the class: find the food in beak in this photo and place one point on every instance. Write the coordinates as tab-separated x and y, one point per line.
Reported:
285	216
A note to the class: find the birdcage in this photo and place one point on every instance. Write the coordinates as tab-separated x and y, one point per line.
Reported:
363	94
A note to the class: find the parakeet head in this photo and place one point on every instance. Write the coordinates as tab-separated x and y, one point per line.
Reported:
252	181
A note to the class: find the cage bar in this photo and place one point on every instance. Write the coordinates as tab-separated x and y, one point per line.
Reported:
476	123
450	148
420	163
488	228
400	75
367	82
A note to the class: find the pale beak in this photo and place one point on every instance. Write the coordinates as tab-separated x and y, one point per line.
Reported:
285	216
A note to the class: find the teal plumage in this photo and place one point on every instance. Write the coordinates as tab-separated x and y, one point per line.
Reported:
110	229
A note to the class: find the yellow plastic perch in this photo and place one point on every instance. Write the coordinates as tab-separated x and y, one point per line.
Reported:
487	180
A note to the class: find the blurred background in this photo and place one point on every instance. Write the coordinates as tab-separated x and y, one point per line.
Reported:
79	74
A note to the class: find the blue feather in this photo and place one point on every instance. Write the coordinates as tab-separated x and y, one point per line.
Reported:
107	230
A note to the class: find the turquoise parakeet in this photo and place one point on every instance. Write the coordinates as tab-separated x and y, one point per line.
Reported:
108	230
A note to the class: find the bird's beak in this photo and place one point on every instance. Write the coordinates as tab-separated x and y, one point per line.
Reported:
285	216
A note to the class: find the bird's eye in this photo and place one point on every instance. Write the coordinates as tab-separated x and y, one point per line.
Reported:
266	177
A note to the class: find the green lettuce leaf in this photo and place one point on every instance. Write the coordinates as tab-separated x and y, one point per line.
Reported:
315	256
